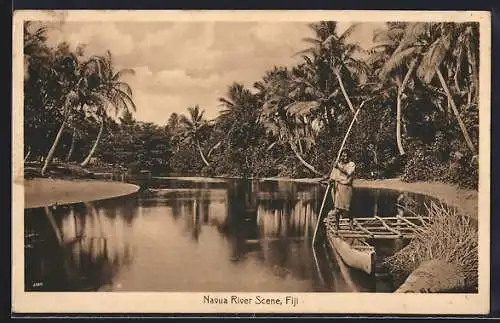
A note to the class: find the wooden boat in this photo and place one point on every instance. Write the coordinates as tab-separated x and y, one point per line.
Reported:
355	253
351	242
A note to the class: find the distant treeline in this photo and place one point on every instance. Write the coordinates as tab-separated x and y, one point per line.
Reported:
417	89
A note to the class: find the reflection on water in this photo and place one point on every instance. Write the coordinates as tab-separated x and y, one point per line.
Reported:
191	236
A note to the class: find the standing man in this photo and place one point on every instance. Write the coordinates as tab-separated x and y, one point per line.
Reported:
342	175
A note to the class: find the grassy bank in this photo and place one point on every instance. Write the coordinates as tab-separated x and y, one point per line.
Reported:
40	192
450	240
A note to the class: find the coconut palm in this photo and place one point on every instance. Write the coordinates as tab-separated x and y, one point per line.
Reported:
193	129
428	45
336	55
280	115
398	75
67	73
75	121
42	89
106	91
173	122
240	114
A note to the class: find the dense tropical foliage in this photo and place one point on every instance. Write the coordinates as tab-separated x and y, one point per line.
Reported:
418	89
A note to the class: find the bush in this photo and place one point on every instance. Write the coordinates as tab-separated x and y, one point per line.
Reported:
423	166
449	236
463	173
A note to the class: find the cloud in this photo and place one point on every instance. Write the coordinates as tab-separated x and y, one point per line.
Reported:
180	64
98	38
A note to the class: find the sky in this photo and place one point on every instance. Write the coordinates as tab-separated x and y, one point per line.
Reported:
181	64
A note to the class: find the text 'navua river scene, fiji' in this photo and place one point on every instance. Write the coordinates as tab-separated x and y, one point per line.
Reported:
251	156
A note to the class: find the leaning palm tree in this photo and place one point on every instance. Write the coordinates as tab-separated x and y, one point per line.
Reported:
193	128
395	71
106	91
281	116
68	81
76	119
428	45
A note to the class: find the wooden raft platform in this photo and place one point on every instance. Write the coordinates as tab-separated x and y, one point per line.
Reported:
397	227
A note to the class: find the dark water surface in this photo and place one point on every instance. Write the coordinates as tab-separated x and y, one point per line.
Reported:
227	235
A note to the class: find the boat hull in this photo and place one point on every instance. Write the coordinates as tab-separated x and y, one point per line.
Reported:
360	256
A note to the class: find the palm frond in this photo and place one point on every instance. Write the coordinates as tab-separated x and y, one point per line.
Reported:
311	40
125	87
393	34
412	33
301	108
348	32
307	59
128	99
433	58
185	121
396	60
307	51
226	102
121	73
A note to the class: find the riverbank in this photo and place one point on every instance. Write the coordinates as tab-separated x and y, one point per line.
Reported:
39	192
463	199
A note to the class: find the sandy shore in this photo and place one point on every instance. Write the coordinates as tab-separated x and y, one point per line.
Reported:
465	200
42	192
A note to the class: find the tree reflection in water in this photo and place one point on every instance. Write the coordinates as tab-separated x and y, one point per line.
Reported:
269	221
93	245
239	226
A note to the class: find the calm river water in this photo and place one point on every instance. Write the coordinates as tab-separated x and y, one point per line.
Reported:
188	235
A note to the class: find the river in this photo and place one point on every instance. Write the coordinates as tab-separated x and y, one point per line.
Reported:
195	235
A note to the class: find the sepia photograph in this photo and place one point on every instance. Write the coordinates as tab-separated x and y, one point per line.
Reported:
244	161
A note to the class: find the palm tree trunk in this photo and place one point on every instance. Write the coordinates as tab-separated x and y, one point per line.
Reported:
94	146
28	154
301	150
329	117
52	150
475	73
306	164
455	111
339	78
72	147
398	126
458	69
398	107
201	154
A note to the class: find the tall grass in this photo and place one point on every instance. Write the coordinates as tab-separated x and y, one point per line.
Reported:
449	236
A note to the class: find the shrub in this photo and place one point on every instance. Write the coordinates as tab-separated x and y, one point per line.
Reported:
449	236
423	165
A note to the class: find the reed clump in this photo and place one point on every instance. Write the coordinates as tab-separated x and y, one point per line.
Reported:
449	237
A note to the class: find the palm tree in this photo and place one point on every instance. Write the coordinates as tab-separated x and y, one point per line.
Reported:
240	111
173	122
397	70
106	90
34	44
280	114
76	119
428	45
193	128
336	55
67	80
238	125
